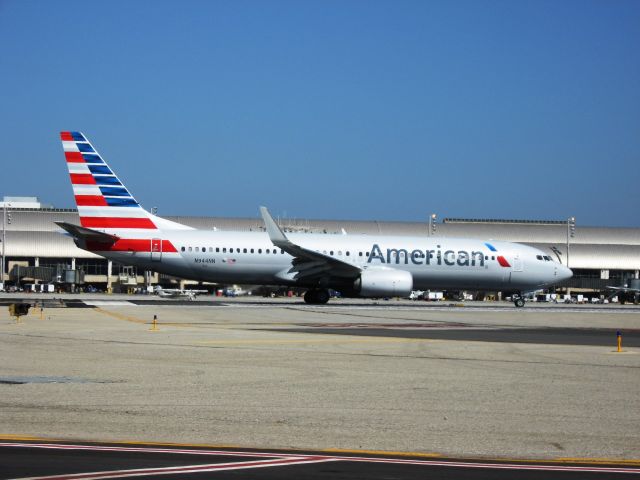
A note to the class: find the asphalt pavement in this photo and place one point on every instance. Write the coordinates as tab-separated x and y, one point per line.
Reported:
38	460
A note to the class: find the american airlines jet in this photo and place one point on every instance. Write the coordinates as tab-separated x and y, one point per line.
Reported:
115	226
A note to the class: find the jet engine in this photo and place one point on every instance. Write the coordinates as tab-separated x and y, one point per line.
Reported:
384	282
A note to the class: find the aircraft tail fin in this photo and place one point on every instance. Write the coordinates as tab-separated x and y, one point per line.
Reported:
102	199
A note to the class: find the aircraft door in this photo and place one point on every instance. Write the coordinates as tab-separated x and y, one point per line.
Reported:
517	263
515	272
156	249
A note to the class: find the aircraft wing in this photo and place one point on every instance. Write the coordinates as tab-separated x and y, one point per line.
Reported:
87	234
623	289
177	291
169	290
307	263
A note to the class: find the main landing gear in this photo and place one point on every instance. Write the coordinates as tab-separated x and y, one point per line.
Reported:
318	296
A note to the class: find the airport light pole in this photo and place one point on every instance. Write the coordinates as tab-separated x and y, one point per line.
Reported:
6	218
571	233
432	224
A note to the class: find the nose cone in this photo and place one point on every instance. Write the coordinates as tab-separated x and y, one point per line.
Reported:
563	273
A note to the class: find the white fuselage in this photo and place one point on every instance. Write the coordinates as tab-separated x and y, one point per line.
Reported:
434	262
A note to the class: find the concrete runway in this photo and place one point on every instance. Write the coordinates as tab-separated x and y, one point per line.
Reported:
482	382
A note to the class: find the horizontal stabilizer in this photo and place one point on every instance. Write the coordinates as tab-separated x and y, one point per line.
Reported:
87	234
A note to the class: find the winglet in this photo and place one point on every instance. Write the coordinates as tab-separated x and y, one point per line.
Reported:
315	263
277	236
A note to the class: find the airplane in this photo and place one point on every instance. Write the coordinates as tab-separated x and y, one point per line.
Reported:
628	292
114	225
177	293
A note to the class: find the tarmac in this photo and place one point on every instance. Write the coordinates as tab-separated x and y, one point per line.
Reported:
396	376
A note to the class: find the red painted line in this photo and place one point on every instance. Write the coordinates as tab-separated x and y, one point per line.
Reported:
74	157
503	261
116	222
130	245
82	179
277	462
498	466
91	201
181	451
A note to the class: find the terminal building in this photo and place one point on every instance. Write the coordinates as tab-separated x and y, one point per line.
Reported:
38	252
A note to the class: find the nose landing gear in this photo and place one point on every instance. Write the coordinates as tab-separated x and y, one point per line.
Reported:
518	300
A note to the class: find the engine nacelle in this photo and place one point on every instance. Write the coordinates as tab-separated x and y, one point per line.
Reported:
384	282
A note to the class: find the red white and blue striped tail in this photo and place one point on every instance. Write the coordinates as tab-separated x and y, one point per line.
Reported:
102	199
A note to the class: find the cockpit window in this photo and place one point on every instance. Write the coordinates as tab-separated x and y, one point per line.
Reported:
539	257
548	258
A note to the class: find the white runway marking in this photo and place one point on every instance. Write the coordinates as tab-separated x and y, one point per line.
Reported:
108	303
276	460
141	472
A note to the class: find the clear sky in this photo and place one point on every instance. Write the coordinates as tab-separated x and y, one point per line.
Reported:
357	109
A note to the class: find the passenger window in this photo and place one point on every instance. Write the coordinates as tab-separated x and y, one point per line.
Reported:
275	252
189	248
210	249
486	257
182	248
347	254
197	249
204	249
359	254
268	250
217	249
259	250
252	250
224	250
282	252
331	253
244	250
493	257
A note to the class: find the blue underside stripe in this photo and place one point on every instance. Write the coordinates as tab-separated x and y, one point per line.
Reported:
100	169
114	192
85	147
121	202
91	158
107	180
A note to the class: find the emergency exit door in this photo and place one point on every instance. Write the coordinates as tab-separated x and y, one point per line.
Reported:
156	249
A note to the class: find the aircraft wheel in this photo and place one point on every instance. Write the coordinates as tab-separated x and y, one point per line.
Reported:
322	296
316	297
519	302
308	296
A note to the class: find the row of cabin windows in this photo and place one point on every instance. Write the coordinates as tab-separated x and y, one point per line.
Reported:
231	250
268	250
253	250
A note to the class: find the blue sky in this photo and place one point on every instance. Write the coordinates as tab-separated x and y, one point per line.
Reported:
366	110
